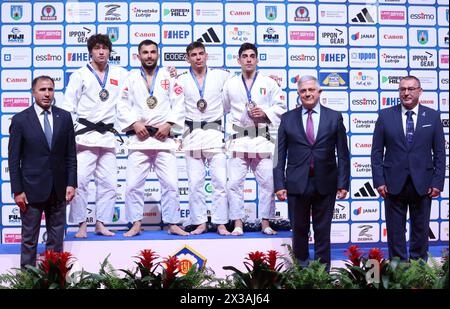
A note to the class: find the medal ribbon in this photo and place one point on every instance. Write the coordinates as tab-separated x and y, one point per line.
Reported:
249	91
150	90
105	78
201	90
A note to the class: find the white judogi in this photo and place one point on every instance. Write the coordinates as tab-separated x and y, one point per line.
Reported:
142	155
95	151
248	151
205	146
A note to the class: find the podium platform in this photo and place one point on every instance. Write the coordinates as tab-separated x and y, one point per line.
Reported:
218	250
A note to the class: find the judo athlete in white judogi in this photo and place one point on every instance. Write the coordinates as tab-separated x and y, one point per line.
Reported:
203	139
255	102
91	97
150	104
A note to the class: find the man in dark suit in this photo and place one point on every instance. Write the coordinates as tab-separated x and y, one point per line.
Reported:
408	168
43	168
309	136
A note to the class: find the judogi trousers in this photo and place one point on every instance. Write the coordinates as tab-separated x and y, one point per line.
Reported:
99	162
138	168
196	173
262	167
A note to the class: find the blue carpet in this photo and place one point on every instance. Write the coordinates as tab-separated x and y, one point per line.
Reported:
162	235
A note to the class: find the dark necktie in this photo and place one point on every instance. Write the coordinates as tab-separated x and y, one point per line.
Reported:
409	127
47	129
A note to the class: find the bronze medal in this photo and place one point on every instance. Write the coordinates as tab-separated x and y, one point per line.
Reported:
250	105
103	95
201	105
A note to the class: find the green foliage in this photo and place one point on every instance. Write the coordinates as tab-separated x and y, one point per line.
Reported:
262	271
315	276
419	275
109	278
17	279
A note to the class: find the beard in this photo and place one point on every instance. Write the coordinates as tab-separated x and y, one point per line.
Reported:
149	67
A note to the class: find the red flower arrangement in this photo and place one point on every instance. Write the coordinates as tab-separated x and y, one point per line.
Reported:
55	266
263	272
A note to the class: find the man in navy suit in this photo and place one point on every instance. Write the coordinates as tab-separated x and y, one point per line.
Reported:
310	136
408	168
43	168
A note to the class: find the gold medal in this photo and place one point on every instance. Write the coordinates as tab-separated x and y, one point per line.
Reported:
152	101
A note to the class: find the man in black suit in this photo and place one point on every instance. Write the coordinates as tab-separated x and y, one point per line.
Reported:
43	168
310	136
408	168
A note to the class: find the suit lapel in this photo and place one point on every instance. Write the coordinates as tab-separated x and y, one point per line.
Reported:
56	125
36	126
421	116
398	122
322	122
300	123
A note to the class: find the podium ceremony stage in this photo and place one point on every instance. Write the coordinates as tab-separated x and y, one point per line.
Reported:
218	250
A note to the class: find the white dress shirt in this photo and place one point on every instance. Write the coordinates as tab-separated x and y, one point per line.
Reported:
40	113
414	117
315	118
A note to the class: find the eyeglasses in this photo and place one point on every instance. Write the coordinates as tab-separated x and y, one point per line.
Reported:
410	89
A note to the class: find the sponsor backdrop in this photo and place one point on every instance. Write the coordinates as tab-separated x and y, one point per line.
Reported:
358	50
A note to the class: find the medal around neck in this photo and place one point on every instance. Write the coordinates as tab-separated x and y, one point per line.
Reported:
103	95
250	105
201	105
152	101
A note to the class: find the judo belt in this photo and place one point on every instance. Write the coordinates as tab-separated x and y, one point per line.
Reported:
251	132
151	131
214	125
99	127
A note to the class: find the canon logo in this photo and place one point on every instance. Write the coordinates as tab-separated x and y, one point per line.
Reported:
393	36
240	13
16	80
363	145
144	35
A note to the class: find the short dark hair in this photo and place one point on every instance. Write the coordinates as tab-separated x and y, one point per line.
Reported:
99	39
147	42
247	46
409	77
194	45
36	79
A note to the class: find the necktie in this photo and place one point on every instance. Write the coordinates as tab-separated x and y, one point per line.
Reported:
310	127
310	137
409	127
47	129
